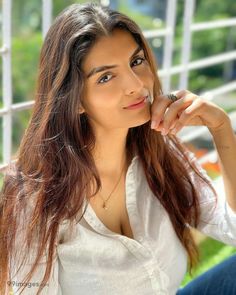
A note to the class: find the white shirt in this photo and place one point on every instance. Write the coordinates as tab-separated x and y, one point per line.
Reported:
93	260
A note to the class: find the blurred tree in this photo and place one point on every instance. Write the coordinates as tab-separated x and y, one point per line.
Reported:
26	16
207	43
25	54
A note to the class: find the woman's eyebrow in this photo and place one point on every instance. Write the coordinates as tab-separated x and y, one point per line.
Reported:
107	67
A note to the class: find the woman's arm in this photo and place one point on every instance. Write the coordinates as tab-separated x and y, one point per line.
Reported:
217	219
225	143
189	109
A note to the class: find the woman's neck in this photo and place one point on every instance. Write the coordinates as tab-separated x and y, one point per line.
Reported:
110	153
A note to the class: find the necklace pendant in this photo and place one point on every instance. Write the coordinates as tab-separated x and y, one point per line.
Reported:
104	206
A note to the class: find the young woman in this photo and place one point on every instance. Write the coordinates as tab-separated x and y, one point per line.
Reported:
102	195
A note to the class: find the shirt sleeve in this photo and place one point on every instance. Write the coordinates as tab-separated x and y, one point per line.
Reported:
52	287
217	220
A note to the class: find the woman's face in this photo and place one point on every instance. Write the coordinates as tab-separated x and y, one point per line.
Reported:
126	81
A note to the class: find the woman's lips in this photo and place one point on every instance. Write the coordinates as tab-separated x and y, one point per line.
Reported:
137	105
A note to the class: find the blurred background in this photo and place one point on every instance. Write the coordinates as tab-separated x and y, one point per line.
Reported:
194	43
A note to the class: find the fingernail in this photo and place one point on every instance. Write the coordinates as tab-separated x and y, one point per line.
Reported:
153	124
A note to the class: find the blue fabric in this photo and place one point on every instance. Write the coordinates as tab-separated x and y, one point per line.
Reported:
220	279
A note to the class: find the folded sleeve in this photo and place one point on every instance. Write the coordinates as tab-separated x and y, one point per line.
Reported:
217	219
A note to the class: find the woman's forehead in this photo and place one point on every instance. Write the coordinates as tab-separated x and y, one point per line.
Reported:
119	43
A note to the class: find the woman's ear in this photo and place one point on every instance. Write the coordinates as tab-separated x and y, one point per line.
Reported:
81	110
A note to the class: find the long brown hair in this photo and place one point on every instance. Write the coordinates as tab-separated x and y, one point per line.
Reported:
54	165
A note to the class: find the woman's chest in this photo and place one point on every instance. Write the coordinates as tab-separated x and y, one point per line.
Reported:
92	255
115	215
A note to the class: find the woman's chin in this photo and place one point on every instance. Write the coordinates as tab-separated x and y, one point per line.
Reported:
141	121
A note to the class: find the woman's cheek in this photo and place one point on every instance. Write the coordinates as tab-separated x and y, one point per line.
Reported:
149	77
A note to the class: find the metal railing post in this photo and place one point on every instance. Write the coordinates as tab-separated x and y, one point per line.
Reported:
46	15
7	80
186	42
169	41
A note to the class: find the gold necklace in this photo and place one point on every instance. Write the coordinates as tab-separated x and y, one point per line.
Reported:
104	206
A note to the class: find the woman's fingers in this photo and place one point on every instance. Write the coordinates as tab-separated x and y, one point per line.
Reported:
166	113
158	109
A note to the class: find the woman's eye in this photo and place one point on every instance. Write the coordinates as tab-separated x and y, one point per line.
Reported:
103	79
139	59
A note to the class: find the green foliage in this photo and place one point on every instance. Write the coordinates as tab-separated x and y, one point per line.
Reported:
19	124
144	21
26	16
206	9
59	5
25	56
206	43
212	252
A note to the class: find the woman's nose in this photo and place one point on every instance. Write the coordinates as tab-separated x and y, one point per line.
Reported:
133	83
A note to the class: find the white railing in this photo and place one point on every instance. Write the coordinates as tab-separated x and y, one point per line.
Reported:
213	24
198	64
165	73
46	15
6	80
186	43
169	42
